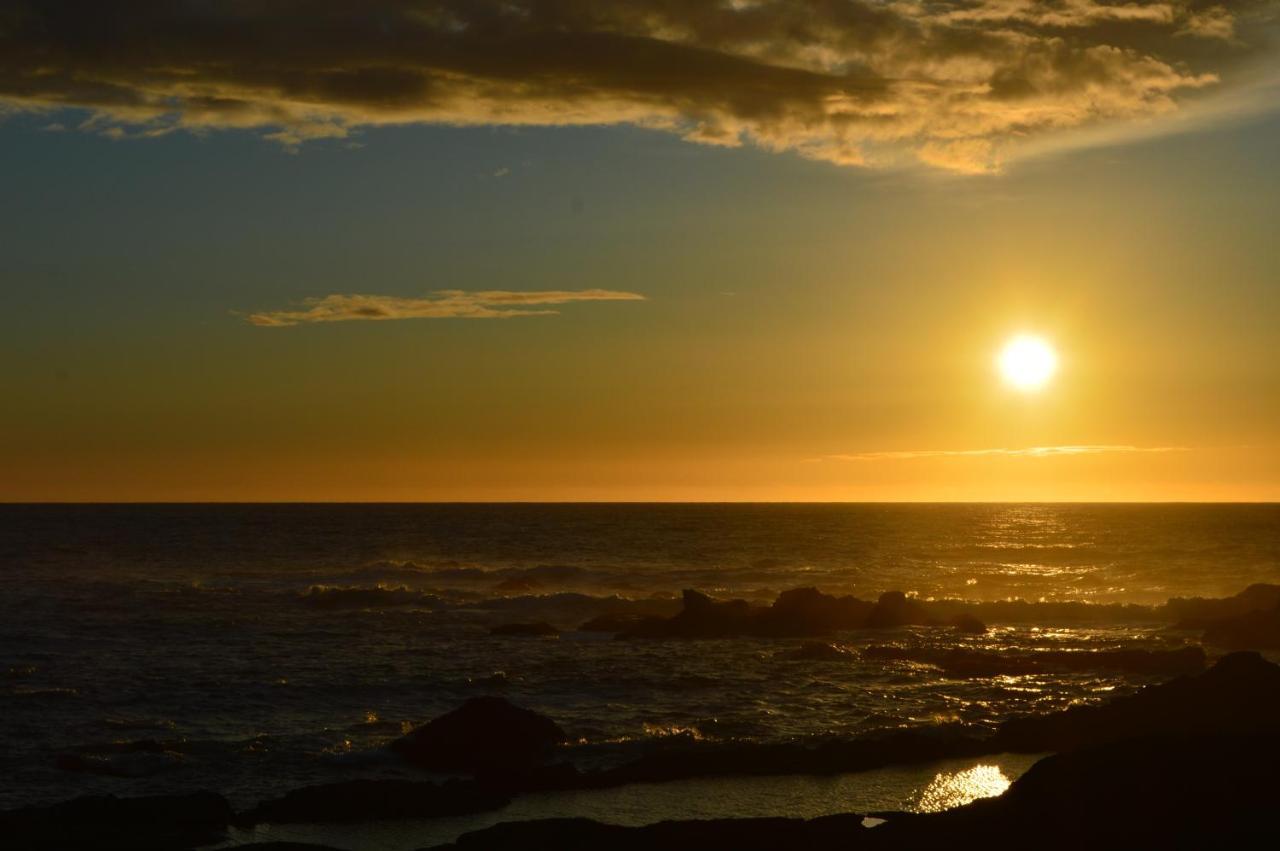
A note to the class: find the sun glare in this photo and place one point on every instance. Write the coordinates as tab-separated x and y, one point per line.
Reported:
1027	363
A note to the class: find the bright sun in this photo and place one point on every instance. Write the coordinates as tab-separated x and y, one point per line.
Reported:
1027	362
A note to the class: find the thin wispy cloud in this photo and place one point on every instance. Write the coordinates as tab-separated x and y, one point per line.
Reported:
960	85
443	304
1028	452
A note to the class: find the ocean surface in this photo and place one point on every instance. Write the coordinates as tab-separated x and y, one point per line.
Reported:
265	647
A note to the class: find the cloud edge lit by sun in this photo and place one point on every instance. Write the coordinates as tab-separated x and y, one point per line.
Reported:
963	88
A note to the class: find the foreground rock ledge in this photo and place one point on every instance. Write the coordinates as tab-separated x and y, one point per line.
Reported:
1211	791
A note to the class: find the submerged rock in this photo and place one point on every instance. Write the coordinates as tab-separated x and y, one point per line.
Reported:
363	800
534	629
485	734
107	822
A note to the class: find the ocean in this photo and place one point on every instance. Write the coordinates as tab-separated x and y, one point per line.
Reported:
257	648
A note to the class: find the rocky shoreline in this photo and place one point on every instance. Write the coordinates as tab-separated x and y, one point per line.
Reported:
1186	758
1221	720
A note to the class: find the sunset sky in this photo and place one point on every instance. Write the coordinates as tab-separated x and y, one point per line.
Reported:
638	251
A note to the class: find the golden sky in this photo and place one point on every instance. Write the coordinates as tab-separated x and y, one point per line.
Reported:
638	251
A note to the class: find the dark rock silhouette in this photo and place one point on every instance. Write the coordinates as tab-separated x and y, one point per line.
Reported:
1197	791
106	822
807	611
795	613
362	800
1257	630
1199	612
1240	692
484	734
895	608
799	613
535	629
700	617
962	662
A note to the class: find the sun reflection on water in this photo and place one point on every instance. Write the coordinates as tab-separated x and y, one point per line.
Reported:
956	788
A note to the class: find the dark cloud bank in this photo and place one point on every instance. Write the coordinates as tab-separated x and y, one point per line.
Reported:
962	86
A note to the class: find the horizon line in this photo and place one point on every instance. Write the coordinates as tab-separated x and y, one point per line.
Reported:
90	503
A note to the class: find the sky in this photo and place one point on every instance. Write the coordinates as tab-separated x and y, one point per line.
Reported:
401	251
